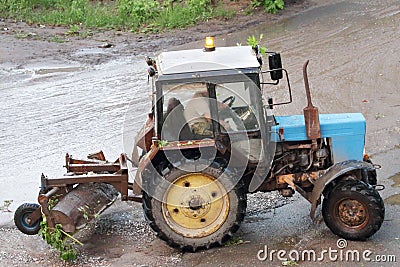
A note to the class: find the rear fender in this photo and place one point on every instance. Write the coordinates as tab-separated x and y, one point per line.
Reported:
144	163
336	172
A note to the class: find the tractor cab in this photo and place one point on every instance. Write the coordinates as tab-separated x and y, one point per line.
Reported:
212	94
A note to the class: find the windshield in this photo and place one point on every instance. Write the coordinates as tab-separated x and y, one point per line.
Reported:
190	108
238	112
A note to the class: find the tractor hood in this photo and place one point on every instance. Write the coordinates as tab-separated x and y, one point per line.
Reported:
346	130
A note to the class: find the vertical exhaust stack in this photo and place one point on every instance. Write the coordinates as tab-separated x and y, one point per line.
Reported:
311	114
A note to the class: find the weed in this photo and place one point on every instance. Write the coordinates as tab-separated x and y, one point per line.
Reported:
162	143
289	263
6	205
85	211
73	30
57	39
235	240
182	15
53	201
56	239
222	12
27	35
253	42
138	10
270	6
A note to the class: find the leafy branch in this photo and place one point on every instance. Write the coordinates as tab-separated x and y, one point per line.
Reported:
56	239
270	6
254	42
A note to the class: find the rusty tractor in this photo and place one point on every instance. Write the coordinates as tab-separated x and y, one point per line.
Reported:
211	139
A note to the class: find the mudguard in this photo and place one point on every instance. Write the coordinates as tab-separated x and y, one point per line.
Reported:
333	173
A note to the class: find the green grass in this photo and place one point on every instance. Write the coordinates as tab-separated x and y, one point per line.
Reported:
181	16
270	6
135	15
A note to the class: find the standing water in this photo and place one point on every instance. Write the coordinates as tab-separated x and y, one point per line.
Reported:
50	110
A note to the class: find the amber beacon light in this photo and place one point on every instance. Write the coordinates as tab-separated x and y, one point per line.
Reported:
209	45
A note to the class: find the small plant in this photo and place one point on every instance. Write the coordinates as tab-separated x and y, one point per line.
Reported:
85	211
270	6
235	240
181	15
26	35
139	11
253	42
289	263
73	30
162	143
56	39
53	201
6	205
56	239
222	12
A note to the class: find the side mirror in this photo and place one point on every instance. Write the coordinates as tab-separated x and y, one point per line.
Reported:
275	64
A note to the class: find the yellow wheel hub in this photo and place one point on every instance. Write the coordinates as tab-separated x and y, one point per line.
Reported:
195	205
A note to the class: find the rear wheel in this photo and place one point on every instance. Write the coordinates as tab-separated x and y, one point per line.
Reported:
21	219
353	210
195	209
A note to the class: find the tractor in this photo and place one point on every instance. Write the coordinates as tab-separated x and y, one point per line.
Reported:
210	139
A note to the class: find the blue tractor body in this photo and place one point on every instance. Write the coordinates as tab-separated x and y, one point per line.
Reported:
346	131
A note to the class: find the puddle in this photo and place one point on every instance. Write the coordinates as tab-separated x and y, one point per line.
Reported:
80	111
394	199
396	180
56	70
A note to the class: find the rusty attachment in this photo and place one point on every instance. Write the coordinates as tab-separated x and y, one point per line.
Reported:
311	114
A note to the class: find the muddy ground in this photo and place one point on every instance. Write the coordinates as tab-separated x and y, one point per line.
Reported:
354	67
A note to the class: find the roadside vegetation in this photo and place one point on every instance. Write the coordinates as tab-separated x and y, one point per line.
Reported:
134	15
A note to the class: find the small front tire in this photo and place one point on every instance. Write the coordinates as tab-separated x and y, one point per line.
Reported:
21	219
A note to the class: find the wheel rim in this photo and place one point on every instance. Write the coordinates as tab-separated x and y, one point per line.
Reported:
26	222
352	213
195	205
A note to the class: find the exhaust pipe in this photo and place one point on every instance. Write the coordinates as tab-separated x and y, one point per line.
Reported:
311	114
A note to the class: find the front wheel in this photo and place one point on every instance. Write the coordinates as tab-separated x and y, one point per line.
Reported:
195	209
353	210
21	219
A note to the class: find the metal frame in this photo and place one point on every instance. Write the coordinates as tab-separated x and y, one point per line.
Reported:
277	82
95	169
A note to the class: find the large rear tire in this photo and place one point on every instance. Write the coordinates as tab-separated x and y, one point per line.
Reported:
195	209
353	210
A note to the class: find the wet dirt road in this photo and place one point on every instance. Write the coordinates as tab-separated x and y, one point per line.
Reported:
60	105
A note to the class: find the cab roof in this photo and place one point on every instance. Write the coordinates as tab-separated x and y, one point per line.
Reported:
197	60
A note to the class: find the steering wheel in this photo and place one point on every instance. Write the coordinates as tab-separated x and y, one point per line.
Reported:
228	113
229	100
